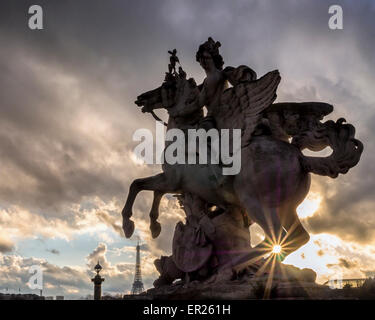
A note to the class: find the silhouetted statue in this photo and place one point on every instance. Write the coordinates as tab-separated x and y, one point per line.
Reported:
274	177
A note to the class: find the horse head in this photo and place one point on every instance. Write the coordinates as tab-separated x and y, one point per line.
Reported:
178	95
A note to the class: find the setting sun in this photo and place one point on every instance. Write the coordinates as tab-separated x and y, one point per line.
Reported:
276	249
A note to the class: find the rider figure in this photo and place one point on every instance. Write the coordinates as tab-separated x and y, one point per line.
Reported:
215	83
217	79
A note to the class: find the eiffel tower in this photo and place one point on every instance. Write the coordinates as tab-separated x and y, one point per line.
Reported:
138	284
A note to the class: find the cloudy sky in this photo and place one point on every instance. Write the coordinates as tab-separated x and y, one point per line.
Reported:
67	116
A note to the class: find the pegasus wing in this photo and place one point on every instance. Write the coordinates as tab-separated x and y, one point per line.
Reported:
242	106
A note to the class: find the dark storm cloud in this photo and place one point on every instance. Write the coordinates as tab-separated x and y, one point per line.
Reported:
347	264
67	92
144	247
6	245
344	264
40	133
54	251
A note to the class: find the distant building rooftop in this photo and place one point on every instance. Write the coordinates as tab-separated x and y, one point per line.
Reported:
340	283
20	297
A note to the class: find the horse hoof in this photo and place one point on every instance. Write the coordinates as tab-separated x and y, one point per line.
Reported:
128	227
155	228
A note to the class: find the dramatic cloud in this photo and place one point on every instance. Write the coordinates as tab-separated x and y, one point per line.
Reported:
68	281
73	281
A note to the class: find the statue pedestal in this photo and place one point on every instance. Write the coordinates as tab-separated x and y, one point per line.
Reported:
288	282
203	264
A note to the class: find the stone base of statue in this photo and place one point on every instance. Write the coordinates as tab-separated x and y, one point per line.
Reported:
286	282
205	262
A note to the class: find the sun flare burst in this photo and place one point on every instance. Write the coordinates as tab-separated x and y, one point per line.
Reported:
276	249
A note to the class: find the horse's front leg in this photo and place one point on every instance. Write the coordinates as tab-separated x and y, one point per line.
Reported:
127	211
158	183
155	226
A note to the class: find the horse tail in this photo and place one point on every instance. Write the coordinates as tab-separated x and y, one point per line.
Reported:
346	150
